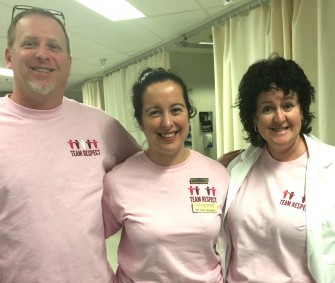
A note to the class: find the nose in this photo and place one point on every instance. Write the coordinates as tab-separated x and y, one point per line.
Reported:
279	116
167	121
42	52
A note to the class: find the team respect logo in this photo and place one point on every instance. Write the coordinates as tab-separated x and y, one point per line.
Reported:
81	147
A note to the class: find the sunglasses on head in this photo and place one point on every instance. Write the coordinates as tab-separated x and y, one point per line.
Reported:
17	9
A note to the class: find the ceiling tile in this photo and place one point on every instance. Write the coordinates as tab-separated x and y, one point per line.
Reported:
166	26
123	36
93	37
153	8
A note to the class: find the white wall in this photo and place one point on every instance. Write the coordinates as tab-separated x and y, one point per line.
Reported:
197	71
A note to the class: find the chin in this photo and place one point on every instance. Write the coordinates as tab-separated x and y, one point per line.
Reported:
42	89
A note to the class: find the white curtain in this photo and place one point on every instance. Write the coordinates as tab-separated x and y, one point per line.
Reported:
314	44
118	86
93	93
295	29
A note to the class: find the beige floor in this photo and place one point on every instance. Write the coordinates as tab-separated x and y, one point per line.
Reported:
111	245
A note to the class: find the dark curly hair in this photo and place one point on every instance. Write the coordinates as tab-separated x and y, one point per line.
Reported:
150	76
264	75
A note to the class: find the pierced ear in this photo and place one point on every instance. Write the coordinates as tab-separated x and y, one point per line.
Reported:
254	120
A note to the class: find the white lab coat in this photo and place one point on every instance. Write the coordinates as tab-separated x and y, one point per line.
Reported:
320	206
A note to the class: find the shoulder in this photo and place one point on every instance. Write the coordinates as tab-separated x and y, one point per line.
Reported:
315	142
226	158
134	161
86	110
320	152
127	174
90	116
201	157
2	101
247	157
207	162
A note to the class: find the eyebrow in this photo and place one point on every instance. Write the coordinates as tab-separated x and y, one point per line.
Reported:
270	102
33	37
179	104
173	105
150	108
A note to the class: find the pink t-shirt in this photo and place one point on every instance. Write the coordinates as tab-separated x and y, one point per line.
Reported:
52	165
267	224
171	218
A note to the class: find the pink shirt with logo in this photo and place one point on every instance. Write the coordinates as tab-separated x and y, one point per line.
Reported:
171	218
52	166
267	224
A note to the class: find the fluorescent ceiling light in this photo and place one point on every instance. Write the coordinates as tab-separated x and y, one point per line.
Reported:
115	10
6	72
206	43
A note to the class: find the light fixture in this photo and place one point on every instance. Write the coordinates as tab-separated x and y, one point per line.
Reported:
206	43
114	10
209	41
6	72
103	63
227	2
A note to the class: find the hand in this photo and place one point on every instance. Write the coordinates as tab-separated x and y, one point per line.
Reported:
228	157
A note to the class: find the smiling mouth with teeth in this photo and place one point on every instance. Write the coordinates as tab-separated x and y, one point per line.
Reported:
280	129
168	135
42	70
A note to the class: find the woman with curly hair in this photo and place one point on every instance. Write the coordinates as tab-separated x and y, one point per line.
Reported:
280	210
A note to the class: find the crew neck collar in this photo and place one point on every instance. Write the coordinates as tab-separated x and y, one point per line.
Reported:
33	113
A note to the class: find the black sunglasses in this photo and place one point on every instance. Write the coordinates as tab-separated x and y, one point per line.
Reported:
17	9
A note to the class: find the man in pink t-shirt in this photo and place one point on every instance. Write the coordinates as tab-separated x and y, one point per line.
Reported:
54	155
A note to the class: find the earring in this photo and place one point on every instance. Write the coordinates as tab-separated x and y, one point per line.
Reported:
255	128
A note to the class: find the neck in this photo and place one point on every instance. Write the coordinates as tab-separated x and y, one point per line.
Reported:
168	159
37	101
290	152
